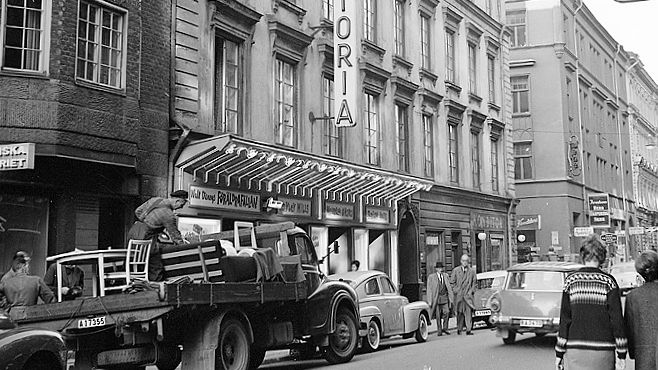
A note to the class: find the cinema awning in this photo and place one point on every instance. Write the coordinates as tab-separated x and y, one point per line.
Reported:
228	160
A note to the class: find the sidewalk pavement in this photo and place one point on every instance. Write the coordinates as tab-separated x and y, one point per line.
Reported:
284	354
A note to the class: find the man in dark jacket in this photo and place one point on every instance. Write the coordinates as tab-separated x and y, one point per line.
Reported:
440	297
73	281
153	217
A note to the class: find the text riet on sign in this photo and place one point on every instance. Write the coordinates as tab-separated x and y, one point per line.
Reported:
346	68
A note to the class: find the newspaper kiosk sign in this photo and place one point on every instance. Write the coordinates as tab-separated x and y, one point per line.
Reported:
346	66
599	209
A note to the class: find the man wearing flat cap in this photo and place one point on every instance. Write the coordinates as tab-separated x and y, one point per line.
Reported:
153	217
440	297
18	256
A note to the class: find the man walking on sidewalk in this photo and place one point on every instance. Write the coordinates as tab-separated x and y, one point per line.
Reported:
439	293
464	283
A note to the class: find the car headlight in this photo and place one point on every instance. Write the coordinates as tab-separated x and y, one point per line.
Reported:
556	320
495	304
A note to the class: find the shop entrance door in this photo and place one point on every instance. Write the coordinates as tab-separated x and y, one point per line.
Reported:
408	258
341	261
479	254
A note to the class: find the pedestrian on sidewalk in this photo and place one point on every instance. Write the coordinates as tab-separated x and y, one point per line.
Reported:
591	322
464	282
641	314
440	296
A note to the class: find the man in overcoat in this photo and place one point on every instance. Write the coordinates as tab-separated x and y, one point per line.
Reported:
464	283
440	297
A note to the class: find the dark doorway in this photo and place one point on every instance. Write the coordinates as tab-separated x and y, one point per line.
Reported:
111	224
408	258
456	249
479	254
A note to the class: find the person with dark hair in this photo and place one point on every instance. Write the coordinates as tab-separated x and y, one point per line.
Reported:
153	217
591	322
440	298
22	289
20	255
73	281
641	314
355	265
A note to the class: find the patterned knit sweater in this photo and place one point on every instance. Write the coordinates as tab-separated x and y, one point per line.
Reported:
591	316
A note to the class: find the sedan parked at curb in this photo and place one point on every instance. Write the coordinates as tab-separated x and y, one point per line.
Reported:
384	312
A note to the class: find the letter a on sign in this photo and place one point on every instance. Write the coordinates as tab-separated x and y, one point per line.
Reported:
346	70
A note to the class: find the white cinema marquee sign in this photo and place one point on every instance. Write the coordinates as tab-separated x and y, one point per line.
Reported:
346	68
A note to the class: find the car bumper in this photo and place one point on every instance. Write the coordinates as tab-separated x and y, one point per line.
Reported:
525	325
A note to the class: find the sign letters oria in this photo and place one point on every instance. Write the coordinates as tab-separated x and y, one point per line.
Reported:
346	68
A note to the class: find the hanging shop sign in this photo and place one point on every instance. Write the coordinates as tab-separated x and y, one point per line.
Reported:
377	215
17	156
295	207
583	231
487	222
599	208
346	66
636	230
224	199
338	211
528	222
574	156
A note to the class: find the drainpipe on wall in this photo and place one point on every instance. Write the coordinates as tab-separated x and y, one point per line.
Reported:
621	157
580	113
510	230
173	156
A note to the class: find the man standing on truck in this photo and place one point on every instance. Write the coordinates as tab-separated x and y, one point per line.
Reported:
153	217
22	289
73	281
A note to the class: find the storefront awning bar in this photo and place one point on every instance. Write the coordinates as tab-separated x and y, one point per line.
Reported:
292	179
226	168
303	183
350	189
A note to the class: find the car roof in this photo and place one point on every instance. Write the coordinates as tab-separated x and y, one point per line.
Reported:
491	274
546	266
356	276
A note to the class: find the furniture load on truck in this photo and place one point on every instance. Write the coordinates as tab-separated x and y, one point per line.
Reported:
209	319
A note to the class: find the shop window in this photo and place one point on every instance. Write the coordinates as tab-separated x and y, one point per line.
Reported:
340	262
378	251
495	262
26	34
101	45
24	226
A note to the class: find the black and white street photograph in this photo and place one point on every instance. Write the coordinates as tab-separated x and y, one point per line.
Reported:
328	184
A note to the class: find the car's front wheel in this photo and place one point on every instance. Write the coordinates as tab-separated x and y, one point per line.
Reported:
511	337
422	333
372	340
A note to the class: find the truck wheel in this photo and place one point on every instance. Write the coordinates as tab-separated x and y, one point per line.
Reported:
257	357
233	350
372	339
422	333
511	337
342	342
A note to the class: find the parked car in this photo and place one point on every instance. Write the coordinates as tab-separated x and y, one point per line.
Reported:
530	299
28	348
626	276
488	283
383	311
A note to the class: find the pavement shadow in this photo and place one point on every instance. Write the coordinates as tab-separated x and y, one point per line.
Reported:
531	340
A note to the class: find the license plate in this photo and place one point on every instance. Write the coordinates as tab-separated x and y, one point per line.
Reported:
483	313
91	323
532	323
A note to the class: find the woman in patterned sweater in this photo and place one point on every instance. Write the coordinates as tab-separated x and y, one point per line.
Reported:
591	321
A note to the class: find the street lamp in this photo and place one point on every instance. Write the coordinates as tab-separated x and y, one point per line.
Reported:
521	238
482	236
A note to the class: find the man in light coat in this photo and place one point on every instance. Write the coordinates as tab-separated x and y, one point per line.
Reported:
464	283
440	297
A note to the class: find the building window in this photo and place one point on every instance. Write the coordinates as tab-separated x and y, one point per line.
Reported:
227	85
475	159
328	9
402	133
450	56
472	68
370	20
453	153
520	94
517	25
495	186
25	35
491	77
398	18
372	129
428	143
285	103
425	37
332	140
523	161
100	45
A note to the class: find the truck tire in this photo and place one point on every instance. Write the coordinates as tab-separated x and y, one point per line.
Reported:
257	357
343	342
422	333
233	347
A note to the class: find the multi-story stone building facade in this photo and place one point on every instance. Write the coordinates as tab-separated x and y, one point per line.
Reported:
643	117
425	171
571	125
85	84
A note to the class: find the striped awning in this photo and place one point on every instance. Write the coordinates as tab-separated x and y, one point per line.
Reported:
228	160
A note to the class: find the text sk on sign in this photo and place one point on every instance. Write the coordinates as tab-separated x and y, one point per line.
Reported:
346	68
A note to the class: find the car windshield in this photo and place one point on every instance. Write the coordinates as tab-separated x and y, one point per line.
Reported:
491	283
621	269
535	280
